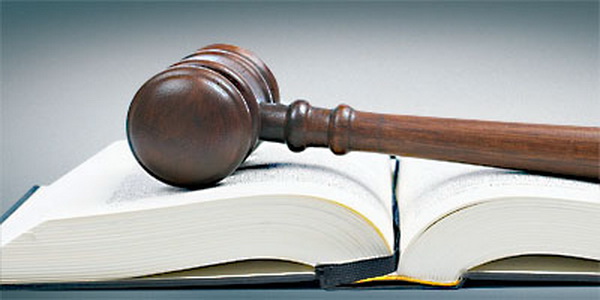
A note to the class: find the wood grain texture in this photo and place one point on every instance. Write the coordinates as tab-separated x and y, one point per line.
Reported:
195	123
552	149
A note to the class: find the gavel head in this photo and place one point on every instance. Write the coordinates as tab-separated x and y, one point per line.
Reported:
195	123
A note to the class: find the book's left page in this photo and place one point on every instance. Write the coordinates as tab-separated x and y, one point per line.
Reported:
99	202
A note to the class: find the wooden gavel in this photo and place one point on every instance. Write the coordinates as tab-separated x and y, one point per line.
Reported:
195	123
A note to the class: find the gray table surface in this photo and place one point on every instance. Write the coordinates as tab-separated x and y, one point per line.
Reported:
69	70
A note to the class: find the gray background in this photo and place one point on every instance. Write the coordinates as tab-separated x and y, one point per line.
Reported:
69	70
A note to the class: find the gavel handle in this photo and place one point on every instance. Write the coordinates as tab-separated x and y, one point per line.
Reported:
562	150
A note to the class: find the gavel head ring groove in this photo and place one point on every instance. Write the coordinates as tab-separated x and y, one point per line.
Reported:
195	123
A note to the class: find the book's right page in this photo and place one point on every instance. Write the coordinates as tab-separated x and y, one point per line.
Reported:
429	191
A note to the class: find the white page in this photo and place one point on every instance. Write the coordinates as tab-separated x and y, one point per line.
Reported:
112	181
429	190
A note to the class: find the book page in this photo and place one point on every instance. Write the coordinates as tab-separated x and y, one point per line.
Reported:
429	190
365	175
112	182
361	181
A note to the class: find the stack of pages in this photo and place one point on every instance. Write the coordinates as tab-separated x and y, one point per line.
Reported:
301	217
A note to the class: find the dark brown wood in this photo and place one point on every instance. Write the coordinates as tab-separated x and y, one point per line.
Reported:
194	123
561	150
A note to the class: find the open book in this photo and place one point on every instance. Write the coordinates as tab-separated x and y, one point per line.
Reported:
294	217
